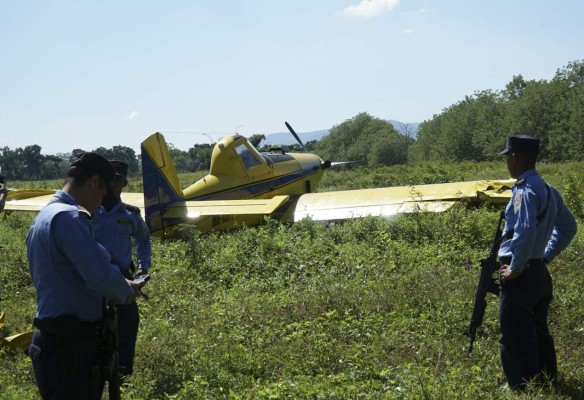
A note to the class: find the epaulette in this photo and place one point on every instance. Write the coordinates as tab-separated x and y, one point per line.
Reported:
520	182
83	212
132	208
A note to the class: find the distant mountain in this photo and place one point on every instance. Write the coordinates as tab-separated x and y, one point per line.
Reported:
404	128
286	138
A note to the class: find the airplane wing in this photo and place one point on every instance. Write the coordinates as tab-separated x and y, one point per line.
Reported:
394	200
135	199
328	206
196	209
36	199
28	199
216	215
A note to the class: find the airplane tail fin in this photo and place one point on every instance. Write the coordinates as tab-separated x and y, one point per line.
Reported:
161	184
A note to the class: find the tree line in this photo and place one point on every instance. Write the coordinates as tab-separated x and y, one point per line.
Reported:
475	128
29	164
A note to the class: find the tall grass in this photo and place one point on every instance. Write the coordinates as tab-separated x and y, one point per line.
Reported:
371	308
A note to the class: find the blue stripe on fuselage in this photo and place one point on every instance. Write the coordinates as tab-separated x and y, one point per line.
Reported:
258	188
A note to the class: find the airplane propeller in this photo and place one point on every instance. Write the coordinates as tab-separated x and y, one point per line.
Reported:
326	164
336	163
295	135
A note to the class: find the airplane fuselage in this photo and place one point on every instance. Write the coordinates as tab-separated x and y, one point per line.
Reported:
238	172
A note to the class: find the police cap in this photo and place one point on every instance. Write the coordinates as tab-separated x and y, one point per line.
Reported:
521	144
121	169
93	162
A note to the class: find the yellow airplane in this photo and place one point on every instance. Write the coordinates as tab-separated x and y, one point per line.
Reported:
245	186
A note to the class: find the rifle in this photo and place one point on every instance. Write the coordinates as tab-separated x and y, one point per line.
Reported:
110	360
487	283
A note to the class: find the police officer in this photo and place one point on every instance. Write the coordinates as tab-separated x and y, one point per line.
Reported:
72	274
539	226
3	192
115	224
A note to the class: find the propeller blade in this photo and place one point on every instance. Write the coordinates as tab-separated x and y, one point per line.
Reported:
327	164
335	163
295	135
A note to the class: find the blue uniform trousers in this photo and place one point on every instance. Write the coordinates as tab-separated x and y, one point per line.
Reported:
59	382
128	322
527	348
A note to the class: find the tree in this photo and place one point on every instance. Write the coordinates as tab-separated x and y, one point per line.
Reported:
121	153
366	140
54	166
33	161
566	135
514	89
11	163
200	156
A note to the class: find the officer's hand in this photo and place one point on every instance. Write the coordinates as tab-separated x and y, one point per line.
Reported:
136	285
508	274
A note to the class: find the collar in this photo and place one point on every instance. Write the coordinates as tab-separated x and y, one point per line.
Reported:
63	197
116	207
524	176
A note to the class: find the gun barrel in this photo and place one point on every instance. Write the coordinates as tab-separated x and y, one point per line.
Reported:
486	284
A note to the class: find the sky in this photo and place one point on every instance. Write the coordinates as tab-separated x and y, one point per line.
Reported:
83	74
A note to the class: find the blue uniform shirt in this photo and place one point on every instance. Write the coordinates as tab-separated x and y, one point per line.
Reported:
546	238
115	230
72	273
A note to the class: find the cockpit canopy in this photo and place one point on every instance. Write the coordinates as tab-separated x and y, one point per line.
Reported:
234	153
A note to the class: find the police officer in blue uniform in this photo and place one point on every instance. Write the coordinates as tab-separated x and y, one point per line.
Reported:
73	275
115	225
538	226
3	192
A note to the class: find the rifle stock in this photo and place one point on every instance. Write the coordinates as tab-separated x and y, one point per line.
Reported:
486	284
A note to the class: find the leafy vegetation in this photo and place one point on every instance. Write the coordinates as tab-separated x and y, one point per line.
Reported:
370	309
366	140
30	165
476	127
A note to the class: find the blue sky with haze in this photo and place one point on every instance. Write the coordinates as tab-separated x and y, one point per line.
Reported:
88	74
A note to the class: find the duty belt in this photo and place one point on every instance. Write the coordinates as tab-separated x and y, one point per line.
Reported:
68	325
530	263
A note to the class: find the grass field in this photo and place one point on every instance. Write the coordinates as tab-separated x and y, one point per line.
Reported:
367	309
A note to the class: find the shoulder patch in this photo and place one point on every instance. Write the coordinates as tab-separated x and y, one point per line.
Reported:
517	201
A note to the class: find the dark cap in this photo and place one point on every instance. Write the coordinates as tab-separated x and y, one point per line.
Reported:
521	144
120	167
95	163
